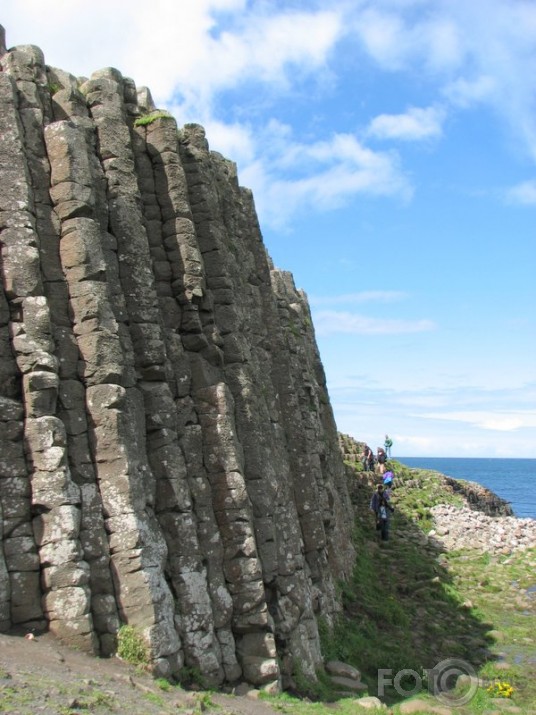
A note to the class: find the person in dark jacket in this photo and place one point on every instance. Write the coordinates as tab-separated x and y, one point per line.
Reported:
368	459
381	505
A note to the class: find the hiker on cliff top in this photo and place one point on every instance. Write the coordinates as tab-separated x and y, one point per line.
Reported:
381	505
388	444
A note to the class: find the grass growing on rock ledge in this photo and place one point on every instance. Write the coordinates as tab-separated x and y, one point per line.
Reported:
146	119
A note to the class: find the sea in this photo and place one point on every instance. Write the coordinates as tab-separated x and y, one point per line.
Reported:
512	479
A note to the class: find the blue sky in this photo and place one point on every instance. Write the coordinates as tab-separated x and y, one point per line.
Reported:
391	149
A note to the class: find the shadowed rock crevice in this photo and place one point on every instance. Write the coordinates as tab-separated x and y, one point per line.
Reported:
169	457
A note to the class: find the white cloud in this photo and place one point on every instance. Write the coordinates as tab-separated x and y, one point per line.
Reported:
500	421
203	57
395	41
480	51
321	176
234	141
524	193
370	296
464	92
328	322
416	124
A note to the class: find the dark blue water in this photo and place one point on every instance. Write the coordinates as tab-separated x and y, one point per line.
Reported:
511	479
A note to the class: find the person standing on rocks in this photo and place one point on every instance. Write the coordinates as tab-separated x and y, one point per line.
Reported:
368	459
388	444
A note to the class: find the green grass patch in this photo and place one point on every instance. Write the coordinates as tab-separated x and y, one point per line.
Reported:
146	119
131	646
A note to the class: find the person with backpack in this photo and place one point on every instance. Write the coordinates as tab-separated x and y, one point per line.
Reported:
381	458
388	484
368	459
381	505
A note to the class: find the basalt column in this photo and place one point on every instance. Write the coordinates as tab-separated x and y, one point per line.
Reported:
168	454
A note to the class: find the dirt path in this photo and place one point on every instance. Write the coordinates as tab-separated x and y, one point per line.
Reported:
43	676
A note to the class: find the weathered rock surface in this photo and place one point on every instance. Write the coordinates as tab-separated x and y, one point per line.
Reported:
169	457
479	498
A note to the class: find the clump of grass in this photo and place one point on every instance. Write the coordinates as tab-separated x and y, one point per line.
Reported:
131	647
203	701
163	684
155	699
146	119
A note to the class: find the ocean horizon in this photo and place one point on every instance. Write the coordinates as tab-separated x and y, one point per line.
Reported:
512	479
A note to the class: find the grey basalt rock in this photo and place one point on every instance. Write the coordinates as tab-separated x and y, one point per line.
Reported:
3	48
169	457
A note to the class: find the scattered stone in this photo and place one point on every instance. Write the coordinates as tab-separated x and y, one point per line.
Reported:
464	528
497	636
272	688
338	668
369	702
502	665
408	707
347	683
242	689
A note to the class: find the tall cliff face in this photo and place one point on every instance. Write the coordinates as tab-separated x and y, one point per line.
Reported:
168	454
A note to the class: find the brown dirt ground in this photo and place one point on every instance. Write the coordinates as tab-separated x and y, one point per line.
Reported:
42	675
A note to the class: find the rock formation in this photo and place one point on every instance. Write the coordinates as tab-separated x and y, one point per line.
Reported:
479	498
168	454
465	528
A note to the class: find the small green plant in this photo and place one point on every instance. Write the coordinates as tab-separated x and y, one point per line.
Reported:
54	87
163	684
154	698
131	646
203	701
96	699
146	119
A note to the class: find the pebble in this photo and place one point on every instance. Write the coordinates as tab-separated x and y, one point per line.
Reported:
417	706
369	701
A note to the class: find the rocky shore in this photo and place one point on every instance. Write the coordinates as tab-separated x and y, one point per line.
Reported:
465	528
